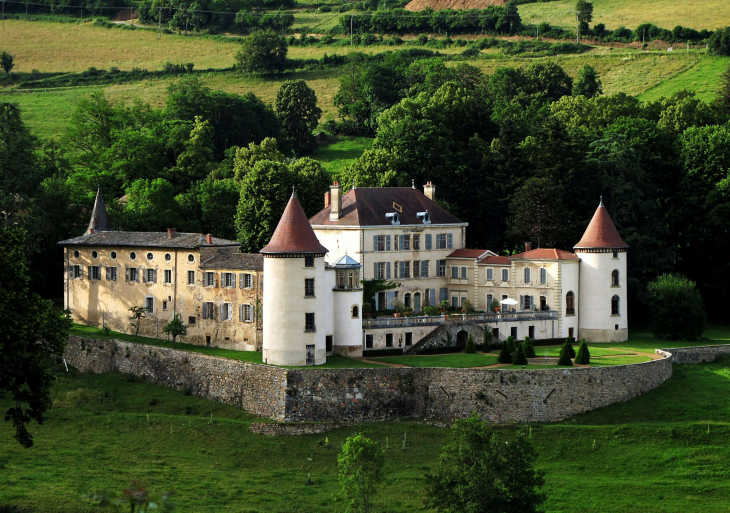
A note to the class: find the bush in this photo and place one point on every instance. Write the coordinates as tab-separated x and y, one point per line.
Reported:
325	8
528	348
569	345
520	358
510	343
504	355
565	355
431	310
584	356
552	341
422	39
471	53
470	349
677	312
263	52
487	342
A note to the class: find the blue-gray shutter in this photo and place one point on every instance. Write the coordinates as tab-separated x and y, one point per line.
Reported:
424	268
387	270
443	294
522	302
432	299
429	241
450	241
402	270
375	242
387	243
375	270
400	242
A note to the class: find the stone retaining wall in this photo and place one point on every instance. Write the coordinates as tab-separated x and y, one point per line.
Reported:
697	354
293	429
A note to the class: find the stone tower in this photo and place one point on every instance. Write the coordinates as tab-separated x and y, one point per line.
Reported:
297	304
603	295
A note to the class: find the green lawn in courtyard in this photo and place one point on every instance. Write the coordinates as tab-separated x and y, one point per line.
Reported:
642	340
595	350
454	360
619	360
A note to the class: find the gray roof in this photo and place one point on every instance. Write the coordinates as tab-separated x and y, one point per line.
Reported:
231	260
147	239
99	219
346	261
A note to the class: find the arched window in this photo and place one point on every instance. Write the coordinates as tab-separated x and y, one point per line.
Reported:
355	312
543	276
527	275
570	303
614	278
615	303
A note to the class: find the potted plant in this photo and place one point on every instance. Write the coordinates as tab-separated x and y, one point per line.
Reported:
399	308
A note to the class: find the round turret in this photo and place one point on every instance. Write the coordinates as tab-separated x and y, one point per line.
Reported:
603	295
347	307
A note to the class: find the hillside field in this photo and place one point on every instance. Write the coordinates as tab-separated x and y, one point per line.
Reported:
665	451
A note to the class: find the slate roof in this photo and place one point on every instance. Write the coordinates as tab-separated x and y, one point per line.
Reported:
601	232
147	239
367	206
346	261
231	260
99	219
294	234
496	260
545	254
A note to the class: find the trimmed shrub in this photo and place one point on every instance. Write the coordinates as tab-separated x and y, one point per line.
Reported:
565	355
487	341
677	312
584	356
470	348
504	355
528	348
569	346
510	343
520	358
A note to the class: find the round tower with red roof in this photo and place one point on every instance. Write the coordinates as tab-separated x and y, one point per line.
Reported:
603	291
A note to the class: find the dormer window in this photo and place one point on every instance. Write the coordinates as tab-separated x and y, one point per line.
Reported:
424	216
394	217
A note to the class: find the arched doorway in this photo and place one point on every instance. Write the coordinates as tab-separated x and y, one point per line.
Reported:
417	302
461	338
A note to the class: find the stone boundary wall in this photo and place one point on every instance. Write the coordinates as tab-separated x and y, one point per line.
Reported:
697	354
293	429
259	389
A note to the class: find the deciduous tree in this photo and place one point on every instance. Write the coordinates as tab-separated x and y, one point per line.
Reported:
360	472
587	84
7	62
297	110
677	312
262	52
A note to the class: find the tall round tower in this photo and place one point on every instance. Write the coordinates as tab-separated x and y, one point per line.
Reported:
295	295
602	298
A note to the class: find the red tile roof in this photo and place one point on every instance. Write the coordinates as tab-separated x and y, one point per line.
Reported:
496	260
467	253
294	234
601	232
546	254
367	206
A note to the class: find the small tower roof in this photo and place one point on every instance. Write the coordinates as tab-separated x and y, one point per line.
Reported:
347	261
99	219
294	234
601	232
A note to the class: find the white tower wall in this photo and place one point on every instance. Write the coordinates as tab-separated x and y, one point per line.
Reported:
348	329
570	282
596	323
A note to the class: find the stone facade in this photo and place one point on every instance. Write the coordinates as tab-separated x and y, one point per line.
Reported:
299	428
696	354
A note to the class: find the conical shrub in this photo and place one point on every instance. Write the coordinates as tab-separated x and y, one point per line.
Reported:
584	356
520	358
571	350
487	340
565	355
504	355
528	348
511	347
470	347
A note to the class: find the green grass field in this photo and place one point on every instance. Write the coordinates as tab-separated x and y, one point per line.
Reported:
335	156
666	451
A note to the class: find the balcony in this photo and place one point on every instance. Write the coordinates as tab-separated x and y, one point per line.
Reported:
435	320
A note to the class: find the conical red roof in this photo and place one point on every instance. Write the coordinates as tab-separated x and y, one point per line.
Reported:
294	234
601	232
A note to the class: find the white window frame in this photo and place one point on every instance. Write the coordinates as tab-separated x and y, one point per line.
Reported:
209	277
94	273
441	241
247	280
229	280
111	273
191	274
147	300
245	313
226	311
168	274
416	242
490	274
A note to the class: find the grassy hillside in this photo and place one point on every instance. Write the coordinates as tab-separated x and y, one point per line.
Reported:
697	14
665	451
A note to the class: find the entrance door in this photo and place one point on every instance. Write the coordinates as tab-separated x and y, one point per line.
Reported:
310	354
417	302
461	338
543	303
407	300
328	343
382	302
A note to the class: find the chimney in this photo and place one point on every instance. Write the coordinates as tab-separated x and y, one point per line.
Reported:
528	246
171	232
336	201
429	190
327	199
208	239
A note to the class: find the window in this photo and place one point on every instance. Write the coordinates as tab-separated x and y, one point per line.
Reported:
76	253
150	276
531	331
543	276
455	301
406	239
416	242
208	310
443	293
441	241
309	322
229	280
150	256
570	303
245	313
191	277
226	311
132	255
429	239
527	302
94	272
149	304
409	338
328	343
191	320
505	274
191	258
247	281
513	332
571	332
615	303
424	268
379	243
441	265
463	273
355	312
615	253
543	304
309	287
168	276
455	273
113	255
309	261
614	278
416	268
133	274
168	257
405	269
368	341
528	275
111	274
490	300
164	305
379	270
76	273
490	274
210	279
94	254
388	340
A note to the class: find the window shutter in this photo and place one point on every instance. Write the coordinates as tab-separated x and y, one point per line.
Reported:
387	243
522	302
401	246
126	274
375	270
144	274
89	271
387	270
375	242
443	293
108	271
432	300
450	241
240	313
154	276
532	302
240	280
428	241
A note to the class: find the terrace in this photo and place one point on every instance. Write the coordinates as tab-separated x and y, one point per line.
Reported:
435	320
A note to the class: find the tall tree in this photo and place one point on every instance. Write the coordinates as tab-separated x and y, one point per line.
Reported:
197	160
296	108
32	332
18	170
262	52
7	62
538	214
588	84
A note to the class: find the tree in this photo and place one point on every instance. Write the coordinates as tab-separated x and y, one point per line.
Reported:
677	312
18	169
296	108
565	358
470	347
487	340
176	328
478	472
32	332
360	472
584	356
528	348
719	42
150	206
538	213
520	358
138	313
584	10
505	356
197	159
723	94
7	62
262	52
588	84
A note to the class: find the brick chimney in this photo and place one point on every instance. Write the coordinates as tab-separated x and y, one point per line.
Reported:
528	246
336	201
171	232
208	238
429	190
327	199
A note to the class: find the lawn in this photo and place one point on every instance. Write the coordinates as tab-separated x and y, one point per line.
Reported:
456	360
697	14
664	451
336	155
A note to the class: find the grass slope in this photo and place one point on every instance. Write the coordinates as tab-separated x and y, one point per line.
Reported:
697	14
335	156
663	452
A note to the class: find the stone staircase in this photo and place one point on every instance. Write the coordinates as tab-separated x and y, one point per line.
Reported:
438	332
